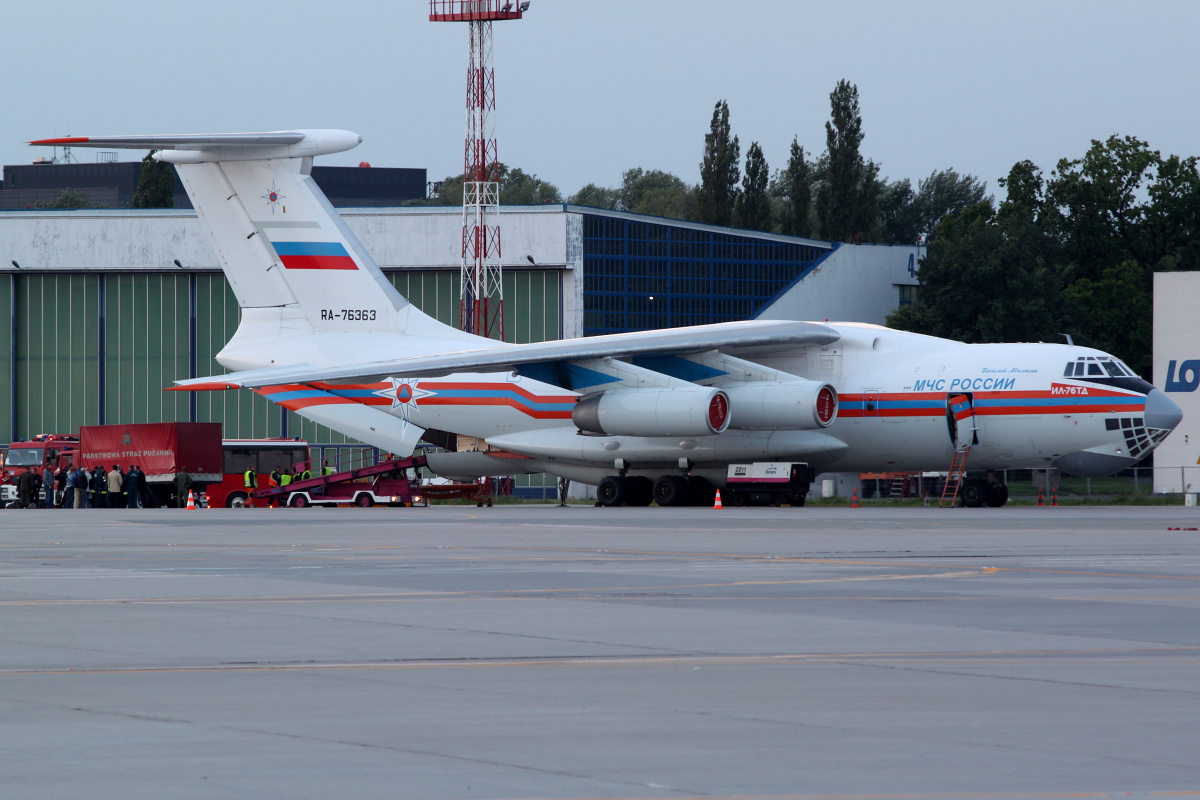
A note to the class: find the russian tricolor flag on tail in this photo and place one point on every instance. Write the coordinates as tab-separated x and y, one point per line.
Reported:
314	255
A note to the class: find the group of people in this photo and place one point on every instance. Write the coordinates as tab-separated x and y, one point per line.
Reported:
81	488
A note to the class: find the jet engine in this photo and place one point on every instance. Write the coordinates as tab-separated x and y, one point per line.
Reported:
654	412
794	405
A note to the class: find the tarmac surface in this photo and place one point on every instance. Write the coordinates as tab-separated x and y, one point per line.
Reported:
541	652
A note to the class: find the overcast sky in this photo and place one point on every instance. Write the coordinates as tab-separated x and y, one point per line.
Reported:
587	90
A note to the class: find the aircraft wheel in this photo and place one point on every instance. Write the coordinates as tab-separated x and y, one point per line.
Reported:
672	490
364	500
974	493
236	500
701	491
997	495
298	501
641	491
612	491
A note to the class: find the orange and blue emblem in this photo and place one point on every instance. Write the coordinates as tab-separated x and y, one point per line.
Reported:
273	197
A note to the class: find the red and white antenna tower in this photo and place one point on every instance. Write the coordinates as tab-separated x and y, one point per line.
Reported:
481	310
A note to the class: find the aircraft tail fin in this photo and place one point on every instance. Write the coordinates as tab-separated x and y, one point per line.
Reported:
291	260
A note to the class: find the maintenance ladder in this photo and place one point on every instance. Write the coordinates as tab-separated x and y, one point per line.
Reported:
954	481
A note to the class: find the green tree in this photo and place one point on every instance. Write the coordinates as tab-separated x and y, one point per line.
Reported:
66	198
844	199
992	275
753	205
156	185
945	192
719	173
595	197
517	187
797	189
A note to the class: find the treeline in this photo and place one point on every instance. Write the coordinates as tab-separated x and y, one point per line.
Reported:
838	196
1073	253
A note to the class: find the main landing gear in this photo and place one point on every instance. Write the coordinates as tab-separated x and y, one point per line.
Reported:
668	490
976	493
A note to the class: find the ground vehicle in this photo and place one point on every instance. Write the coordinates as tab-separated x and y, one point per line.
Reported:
162	450
264	456
393	488
768	483
898	485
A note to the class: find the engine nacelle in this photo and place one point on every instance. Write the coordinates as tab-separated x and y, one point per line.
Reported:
654	412
796	405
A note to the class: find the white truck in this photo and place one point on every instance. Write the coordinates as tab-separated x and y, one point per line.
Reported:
774	483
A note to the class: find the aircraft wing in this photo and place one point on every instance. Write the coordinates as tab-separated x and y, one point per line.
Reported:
738	337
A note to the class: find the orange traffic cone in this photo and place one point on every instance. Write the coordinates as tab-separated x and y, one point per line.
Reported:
191	506
1041	498
1054	498
717	502
854	499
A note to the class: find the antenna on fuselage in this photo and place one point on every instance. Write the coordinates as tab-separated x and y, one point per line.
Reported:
1067	336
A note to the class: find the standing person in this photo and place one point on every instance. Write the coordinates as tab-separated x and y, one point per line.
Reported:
99	488
275	477
250	478
81	488
130	487
68	496
145	497
60	487
183	484
48	485
115	481
27	488
326	470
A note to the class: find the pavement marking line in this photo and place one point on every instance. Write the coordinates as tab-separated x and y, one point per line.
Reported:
921	796
480	593
1179	653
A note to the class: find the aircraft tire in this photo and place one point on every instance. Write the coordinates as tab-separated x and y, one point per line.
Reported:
612	491
672	490
974	493
997	495
702	492
641	491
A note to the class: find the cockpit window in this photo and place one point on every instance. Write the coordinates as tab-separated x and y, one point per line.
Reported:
1094	369
1112	369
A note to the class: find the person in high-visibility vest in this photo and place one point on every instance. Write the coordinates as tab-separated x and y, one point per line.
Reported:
306	474
326	469
275	477
285	479
251	478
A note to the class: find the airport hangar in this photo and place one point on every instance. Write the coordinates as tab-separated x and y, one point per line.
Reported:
102	319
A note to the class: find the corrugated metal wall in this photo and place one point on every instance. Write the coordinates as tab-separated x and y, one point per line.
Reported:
94	348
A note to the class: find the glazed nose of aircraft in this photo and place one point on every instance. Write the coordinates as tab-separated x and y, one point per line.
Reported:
1161	411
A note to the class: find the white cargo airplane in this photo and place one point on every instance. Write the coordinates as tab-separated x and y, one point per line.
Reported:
658	414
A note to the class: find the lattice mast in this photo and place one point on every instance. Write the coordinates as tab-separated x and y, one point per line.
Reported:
481	308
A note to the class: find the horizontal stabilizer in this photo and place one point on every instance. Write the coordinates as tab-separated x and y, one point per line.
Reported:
738	336
192	148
